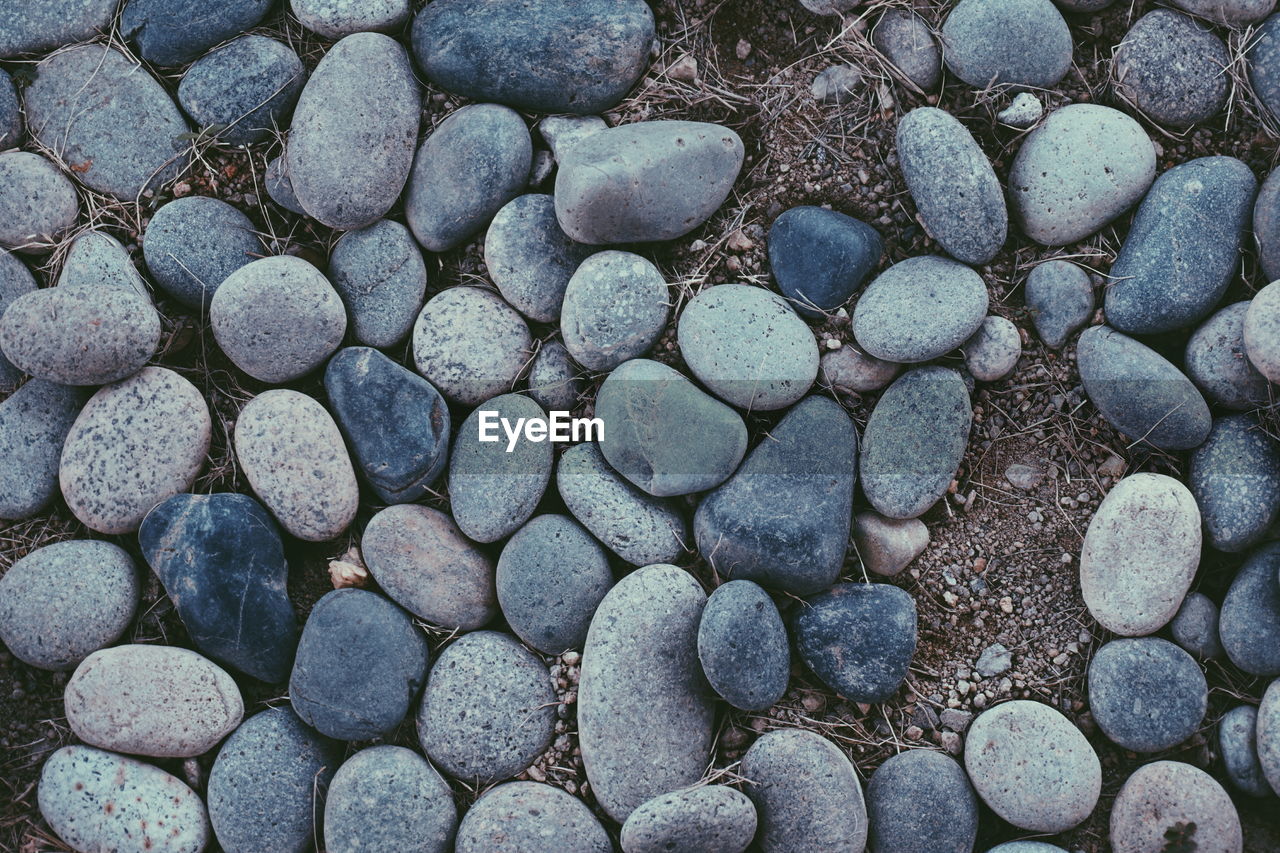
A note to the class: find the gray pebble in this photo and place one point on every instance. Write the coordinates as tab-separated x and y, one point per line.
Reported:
389	798
994	660
34	422
15	280
1146	694
520	816
1172	69
615	307
379	272
244	89
1195	627
1022	42
97	260
906	41
280	187
1023	112
1030	846
27	27
10	113
1163	795
1266	226
1238	746
1262	331
919	309
742	645
1024	477
828	7
1268	735
836	84
993	351
37	202
172	32
852	371
706	819
1229	12
886	546
470	344
1235	478
921	800
1249	625
193	244
553	378
1264	69
563	132
858	638
334	19
1059	296
529	258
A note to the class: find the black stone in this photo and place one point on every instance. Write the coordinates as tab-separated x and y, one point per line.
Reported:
742	645
1146	694
858	638
820	257
921	800
1235	478
171	32
1249	625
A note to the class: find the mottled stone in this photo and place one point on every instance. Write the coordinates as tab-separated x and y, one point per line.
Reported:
820	257
521	816
615	307
171	32
852	371
192	244
553	378
995	660
563	132
921	800
993	351
836	84
1023	111
15	280
529	258
1264	67
1229	12
1262	331
886	546
1249	625
1238	746
470	344
1172	70
1059	296
742	646
1022	42
1266	225
280	187
1268	735
37	202
98	260
1030	846
244	90
389	798
334	19
858	638
706	819
1195	627
1164	795
1146	694
1235	478
11	125
27	27
34	422
907	42
919	309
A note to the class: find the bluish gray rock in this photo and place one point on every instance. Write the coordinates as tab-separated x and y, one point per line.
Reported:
1229	12
192	244
1183	247
806	792
267	783
98	260
1163	795
334	19
1023	112
27	27
488	710
906	41
1022	42
993	351
919	309
820	257
921	800
748	346
361	661
996	659
345	173
1266	222
222	563
553	378
389	798
62	602
37	202
1249	624
858	638
1195	627
645	406
547	56
15	280
1217	363
395	422
705	819
1238	746
1268	735
1146	694
782	520
10	113
1171	69
243	91
614	308
742	646
470	344
280	187
646	181
110	121
563	132
96	800
1029	846
521	816
551	577
1262	331
836	84
530	258
915	440
171	32
645	712
34	422
955	190
1139	392
1235	478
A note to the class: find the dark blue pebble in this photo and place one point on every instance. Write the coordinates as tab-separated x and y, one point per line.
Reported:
820	257
858	638
742	645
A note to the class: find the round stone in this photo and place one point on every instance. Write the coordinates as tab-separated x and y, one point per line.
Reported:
334	19
921	800
615	306
1266	224
553	378
1171	69
707	819
15	280
1163	797
380	275
1249	625
470	344
858	638
1029	846
521	816
279	187
192	244
1235	478
36	28
1238	746
98	260
1262	331
919	309
852	371
34	422
1216	362
907	42
1023	111
1195	627
1146	694
1229	12
820	257
742	645
243	91
886	546
530	259
1261	60
748	346
1268	735
172	32
37	202
993	351
388	798
1019	42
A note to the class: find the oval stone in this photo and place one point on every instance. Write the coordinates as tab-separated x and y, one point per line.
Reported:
1217	363
346	173
1249	625
906	41
553	378
521	816
1261	331
37	28
98	260
380	275
1229	12
15	280
614	308
858	638
1264	70
171	32
152	700
1019	42
742	646
919	309
1059	295
334	19
1170	68
1146	694
134	444
470	344
820	257
707	819
921	800
993	351
1266	223
34	422
1195	627
244	90
1238	746
192	244
37	202
1164	795
388	798
529	258
1235	478
852	371
1268	735
279	187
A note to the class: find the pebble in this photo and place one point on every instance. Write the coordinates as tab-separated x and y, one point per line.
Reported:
193	244
292	454
742	645
615	307
1238	746
280	187
958	198
522	816
97	260
37	202
806	792
277	318
468	168
639	528
493	491
265	786
1235	478
1262	331
645	182
15	280
529	258
886	546
919	309
62	602
1146	694
644	405
852	371
1140	554
858	638
422	561
1195	627
161	701
389	798
1032	766
470	344
828	7
395	422
348	174
1263	65
37	28
993	351
11	124
96	800
244	89
1018	42
34	422
134	443
334	19
1139	392
1081	168
1268	735
748	347
361	661
563	132
109	120
173	32
222	563
1249	626
1229	12
820	257
994	660
1023	112
1028	846
1266	226
1164	795
836	84
914	441
918	800
488	710
553	378
706	819
1059	296
545	56
1024	477
645	715
1171	69
551	577
907	42
749	527
1183	247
